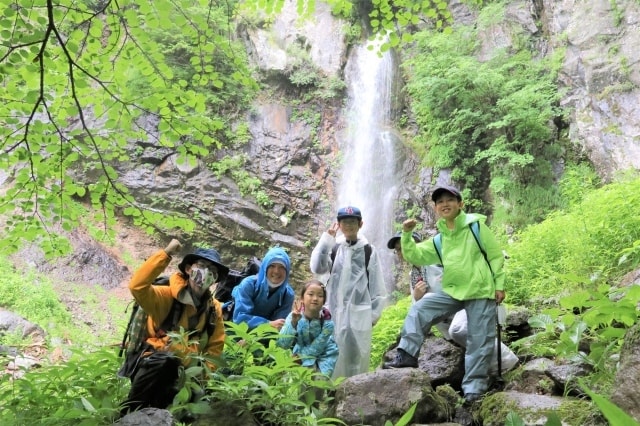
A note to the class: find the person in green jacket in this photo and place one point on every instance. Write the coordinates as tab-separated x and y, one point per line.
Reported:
469	282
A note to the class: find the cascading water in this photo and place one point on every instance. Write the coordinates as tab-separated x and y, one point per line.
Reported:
369	177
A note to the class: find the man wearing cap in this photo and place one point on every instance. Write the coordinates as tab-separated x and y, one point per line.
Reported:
356	293
469	282
267	296
154	383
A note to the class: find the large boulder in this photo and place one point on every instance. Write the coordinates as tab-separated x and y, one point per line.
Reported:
442	360
374	398
13	323
535	409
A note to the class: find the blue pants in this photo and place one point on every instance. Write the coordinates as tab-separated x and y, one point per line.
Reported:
481	314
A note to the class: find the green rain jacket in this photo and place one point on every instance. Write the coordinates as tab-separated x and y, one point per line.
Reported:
466	273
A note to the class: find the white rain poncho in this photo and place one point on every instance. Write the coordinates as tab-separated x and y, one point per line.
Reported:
354	300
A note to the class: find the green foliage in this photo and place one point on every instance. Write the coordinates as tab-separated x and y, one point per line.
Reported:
578	248
386	331
83	391
82	80
487	121
577	181
267	381
406	417
514	420
32	297
612	412
596	318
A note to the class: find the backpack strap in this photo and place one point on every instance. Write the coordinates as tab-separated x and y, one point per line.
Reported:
367	256
172	318
209	325
475	231
437	244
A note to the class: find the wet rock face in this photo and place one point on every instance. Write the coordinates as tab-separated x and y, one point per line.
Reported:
599	75
229	217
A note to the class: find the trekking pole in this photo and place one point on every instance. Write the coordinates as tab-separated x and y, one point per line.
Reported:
501	319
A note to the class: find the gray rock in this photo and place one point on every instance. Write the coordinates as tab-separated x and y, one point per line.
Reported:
322	36
533	378
442	360
565	377
627	380
14	323
147	417
226	414
373	398
533	409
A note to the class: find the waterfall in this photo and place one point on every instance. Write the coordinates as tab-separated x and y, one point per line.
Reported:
369	176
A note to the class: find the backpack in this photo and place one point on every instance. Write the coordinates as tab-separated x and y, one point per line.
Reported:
475	230
367	256
224	289
134	341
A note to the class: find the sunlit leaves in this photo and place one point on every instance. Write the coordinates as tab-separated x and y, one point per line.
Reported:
79	88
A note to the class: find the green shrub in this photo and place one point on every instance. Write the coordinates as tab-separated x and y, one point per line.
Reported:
267	381
387	331
33	297
82	391
575	249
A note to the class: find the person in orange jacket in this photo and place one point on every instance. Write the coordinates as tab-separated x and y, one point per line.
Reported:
187	303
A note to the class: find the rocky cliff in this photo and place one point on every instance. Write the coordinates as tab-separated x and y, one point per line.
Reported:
293	147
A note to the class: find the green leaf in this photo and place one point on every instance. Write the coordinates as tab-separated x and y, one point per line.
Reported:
611	412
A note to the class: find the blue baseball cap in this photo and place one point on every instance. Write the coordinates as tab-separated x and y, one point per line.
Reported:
349	211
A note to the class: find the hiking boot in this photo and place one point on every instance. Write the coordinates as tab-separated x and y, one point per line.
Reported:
402	360
470	398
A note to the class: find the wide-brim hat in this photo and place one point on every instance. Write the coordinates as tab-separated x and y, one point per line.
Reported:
392	242
446	188
207	254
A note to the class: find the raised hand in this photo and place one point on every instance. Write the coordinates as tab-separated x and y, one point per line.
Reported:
174	247
296	312
408	225
334	229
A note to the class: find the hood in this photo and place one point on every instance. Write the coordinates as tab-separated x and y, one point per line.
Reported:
462	221
276	254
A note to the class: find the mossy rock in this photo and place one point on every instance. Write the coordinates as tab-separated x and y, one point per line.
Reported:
535	409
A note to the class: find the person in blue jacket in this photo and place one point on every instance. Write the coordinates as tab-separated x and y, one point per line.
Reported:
266	297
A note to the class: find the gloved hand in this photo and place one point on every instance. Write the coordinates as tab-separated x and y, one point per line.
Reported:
173	248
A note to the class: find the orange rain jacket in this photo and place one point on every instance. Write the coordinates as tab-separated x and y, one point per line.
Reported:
157	300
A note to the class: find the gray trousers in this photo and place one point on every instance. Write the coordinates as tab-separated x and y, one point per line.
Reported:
481	314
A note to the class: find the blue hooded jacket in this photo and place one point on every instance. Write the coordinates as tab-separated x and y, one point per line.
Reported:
253	304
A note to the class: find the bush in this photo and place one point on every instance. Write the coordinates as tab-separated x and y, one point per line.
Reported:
82	391
387	331
580	247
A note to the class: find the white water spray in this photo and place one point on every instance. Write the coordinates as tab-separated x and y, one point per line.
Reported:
369	178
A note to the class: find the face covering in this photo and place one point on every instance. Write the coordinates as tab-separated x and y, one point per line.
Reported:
272	285
202	277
